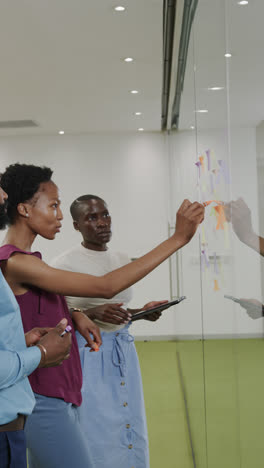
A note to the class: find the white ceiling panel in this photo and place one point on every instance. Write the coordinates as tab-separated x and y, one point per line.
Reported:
220	26
61	65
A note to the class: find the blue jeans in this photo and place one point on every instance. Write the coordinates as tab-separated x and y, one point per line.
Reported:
13	449
54	436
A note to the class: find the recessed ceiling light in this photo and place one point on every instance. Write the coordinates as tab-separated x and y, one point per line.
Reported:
119	8
201	111
128	59
215	88
228	55
134	91
192	127
243	2
138	113
61	132
141	129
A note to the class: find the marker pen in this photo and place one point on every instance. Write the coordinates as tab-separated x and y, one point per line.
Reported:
67	330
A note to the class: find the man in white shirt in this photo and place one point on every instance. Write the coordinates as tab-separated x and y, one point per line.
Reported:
112	413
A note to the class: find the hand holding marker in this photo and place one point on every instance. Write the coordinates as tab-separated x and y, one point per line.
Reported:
67	330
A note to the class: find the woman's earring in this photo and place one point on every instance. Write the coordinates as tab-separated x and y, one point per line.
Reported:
27	215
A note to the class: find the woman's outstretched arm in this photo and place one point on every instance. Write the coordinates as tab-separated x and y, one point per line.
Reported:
28	270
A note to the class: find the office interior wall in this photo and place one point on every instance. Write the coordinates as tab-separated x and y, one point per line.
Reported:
130	172
144	178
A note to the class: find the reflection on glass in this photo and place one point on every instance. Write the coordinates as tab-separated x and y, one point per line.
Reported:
217	157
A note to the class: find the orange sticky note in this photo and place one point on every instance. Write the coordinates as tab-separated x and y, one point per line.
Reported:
216	286
221	219
201	159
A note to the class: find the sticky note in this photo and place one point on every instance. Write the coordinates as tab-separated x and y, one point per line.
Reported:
221	219
201	159
216	285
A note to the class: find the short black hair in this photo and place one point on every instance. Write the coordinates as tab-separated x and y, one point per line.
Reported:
21	182
74	208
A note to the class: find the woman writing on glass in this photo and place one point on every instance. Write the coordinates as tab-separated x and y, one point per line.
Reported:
53	432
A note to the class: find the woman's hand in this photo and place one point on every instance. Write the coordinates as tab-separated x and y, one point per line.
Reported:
86	328
54	347
188	218
33	336
109	313
155	315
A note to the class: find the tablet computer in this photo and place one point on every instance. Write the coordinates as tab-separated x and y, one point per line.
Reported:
159	308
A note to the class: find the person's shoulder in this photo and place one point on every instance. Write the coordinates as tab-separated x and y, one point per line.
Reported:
9	250
6	251
65	258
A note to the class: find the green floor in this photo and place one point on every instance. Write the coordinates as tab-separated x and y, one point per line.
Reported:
223	384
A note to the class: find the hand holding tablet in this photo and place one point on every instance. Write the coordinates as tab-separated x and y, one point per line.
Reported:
159	308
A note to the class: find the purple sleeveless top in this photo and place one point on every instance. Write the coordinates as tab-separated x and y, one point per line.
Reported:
40	308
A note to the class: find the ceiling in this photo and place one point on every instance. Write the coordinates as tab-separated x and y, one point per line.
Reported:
61	65
220	26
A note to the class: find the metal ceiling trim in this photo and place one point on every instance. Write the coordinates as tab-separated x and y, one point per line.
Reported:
169	14
188	16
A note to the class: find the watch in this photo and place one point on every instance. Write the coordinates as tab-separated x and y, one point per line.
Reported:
74	309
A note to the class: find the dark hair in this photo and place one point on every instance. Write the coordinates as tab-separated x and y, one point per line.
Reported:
74	208
21	182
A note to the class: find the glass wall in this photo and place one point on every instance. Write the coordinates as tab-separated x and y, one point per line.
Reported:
216	157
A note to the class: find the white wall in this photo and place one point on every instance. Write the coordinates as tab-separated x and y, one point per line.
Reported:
130	172
144	187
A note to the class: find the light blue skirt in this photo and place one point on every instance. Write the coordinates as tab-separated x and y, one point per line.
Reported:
112	415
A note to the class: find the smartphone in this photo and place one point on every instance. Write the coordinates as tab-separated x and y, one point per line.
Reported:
159	308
